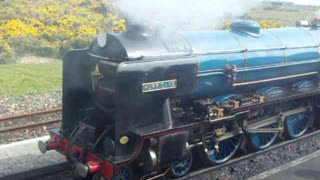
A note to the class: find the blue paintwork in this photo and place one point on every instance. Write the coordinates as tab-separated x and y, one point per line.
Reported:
248	27
227	147
298	124
183	167
263	140
222	99
271	92
303	85
315	26
124	174
272	53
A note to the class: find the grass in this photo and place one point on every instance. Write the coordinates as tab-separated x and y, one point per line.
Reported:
22	79
286	15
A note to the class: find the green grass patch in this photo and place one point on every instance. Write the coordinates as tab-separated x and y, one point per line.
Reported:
286	15
22	79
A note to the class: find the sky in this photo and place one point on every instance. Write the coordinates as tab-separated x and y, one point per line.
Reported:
308	2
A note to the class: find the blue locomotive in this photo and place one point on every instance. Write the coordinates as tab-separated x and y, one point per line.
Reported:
136	104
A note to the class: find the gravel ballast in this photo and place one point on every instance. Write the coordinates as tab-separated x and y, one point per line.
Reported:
29	103
10	106
265	162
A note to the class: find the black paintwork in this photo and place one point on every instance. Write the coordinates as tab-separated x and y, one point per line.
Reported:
116	99
140	42
138	108
76	86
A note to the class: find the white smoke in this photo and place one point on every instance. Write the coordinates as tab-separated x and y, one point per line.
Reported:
318	14
181	14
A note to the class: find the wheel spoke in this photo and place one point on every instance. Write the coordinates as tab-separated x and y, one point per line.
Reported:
183	167
263	140
227	149
297	124
124	174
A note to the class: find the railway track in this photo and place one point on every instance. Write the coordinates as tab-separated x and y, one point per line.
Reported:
205	170
17	125
66	167
63	167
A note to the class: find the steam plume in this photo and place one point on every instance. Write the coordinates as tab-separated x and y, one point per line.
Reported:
183	14
318	14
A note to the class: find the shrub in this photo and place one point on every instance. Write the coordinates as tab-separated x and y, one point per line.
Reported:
52	27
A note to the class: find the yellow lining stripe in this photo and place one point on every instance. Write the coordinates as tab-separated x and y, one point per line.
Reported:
274	79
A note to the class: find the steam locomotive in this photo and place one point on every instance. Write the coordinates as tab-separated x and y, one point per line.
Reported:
137	104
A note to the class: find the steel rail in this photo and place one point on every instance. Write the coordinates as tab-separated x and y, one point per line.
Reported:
27	126
66	166
30	114
247	157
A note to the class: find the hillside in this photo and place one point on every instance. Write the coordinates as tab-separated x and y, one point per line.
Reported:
287	15
52	27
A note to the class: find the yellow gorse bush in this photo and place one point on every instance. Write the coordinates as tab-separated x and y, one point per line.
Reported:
52	27
15	27
266	24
